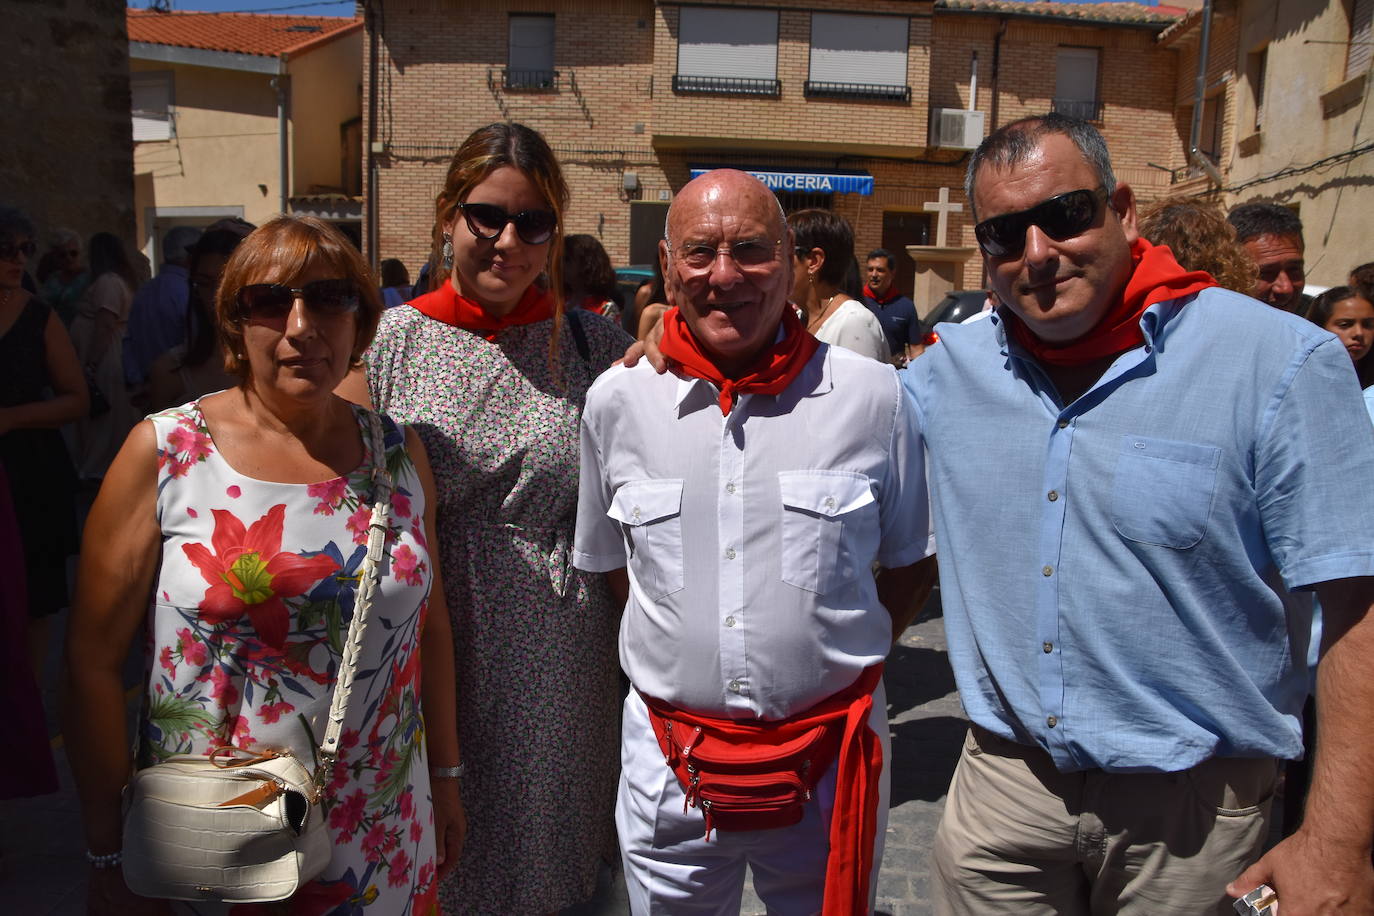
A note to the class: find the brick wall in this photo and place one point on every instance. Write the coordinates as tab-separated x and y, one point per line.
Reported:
615	112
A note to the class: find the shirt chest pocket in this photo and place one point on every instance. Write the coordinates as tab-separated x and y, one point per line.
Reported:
1162	493
823	515
650	515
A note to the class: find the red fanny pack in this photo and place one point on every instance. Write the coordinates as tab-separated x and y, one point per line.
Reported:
754	775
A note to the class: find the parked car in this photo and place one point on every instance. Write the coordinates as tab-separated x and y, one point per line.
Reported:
628	280
956	306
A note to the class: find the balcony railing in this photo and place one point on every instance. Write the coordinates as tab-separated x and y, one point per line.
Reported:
727	85
1082	109
530	80
821	89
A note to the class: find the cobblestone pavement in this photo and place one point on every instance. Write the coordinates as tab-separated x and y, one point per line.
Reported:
42	872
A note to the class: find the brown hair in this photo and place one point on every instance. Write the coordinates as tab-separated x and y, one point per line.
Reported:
1200	237
279	251
484	151
831	233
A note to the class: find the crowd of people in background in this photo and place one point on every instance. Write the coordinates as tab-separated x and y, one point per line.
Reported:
258	355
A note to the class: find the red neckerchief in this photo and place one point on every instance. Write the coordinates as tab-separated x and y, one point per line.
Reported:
854	817
446	305
892	294
1156	277
772	372
592	303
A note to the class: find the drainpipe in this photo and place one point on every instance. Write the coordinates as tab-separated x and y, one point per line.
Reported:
1195	155
370	147
282	84
996	70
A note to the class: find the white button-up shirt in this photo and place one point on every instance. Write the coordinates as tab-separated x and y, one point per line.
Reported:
750	538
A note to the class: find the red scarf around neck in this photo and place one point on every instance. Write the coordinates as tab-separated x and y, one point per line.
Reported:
446	304
892	294
1156	277
771	373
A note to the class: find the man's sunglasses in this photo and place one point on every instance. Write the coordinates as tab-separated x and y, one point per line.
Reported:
8	250
1060	218
272	302
488	221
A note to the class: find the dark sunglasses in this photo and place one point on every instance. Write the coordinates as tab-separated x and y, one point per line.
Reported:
273	301
488	221
9	249
1060	218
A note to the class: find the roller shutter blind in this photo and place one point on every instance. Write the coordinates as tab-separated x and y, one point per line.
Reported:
152	106
1358	57
741	44
858	49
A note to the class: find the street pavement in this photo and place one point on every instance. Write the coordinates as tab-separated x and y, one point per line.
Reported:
42	872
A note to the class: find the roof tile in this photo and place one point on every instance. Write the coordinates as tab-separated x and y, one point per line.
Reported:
1108	13
239	33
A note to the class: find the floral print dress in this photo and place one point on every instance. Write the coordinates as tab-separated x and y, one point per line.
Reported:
253	603
534	638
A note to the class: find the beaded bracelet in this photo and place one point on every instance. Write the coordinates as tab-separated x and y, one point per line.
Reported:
108	860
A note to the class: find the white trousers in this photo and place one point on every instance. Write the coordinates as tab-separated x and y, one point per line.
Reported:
671	869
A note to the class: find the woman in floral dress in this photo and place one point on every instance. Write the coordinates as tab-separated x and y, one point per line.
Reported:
245	515
493	375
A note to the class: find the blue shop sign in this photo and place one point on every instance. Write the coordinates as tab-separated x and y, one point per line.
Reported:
809	182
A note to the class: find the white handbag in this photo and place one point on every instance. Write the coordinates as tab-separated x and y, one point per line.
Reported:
246	826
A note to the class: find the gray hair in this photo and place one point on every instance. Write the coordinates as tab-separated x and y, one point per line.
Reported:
177	244
782	216
1012	144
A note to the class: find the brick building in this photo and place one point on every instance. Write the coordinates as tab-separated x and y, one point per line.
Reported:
869	108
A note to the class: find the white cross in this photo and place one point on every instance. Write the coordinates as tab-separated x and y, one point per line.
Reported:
944	208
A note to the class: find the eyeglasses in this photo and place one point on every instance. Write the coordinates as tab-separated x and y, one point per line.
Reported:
9	250
1060	218
746	254
272	302
488	221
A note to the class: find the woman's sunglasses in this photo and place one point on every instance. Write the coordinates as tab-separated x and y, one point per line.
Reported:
488	221
272	302
1060	218
8	250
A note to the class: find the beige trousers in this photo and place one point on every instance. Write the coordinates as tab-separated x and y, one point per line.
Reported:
1017	836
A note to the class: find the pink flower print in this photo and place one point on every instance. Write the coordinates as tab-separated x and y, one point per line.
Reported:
190	444
191	648
417	531
426	876
400	504
417	833
407	804
349	740
164	658
192	512
222	688
272	712
407	566
233	491
399	869
239	736
330	494
357	523
372	842
177	467
347	816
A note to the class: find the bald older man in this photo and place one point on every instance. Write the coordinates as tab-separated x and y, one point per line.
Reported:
738	503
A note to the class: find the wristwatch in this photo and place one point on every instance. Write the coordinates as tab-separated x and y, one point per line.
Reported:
449	772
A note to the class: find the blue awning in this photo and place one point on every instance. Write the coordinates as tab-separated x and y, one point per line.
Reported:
808	182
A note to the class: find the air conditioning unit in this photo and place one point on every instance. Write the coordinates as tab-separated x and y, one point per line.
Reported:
954	128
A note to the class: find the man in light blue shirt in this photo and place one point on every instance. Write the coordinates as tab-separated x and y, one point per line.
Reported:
1133	483
157	318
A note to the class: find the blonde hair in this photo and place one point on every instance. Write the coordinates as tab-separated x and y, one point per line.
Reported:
1201	238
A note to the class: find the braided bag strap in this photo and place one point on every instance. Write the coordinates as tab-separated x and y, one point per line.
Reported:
368	579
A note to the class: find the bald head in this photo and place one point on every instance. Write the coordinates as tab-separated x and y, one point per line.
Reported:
727	265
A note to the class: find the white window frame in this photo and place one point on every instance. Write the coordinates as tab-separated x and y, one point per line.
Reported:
710	65
524	33
147	127
874	54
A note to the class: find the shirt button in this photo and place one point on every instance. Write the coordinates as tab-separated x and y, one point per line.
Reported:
1048	647
1063	424
729	488
1053	495
830	502
729	621
734	686
635	512
729	553
1051	721
1047	571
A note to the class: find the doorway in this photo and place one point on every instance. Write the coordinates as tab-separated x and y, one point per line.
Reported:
900	229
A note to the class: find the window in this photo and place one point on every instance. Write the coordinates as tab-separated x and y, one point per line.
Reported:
1358	55
1075	84
727	50
1213	121
858	57
529	65
1255	64
152	106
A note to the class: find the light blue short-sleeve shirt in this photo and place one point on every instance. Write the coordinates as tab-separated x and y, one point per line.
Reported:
1122	576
